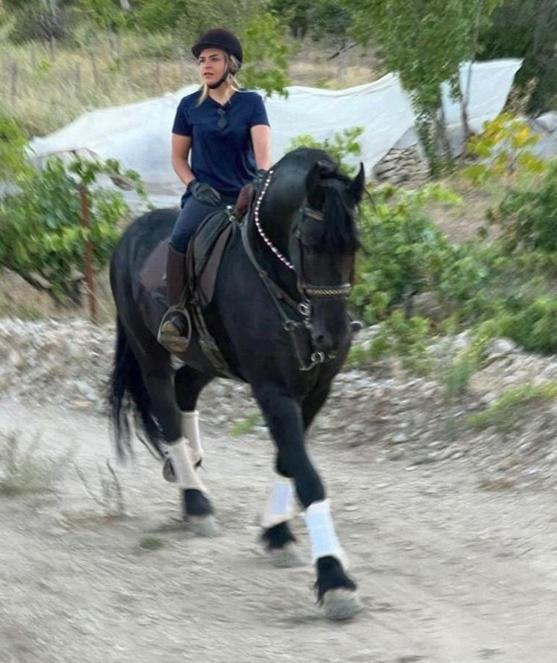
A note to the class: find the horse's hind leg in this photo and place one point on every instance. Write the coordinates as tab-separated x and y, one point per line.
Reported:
188	384
158	378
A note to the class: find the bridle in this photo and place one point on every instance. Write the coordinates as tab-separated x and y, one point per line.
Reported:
305	289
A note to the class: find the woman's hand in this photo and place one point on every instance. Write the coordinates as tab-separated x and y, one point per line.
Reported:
204	193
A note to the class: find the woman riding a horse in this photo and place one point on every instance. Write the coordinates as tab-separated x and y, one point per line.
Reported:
278	312
227	132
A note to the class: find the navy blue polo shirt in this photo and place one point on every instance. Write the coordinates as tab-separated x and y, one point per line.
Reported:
221	147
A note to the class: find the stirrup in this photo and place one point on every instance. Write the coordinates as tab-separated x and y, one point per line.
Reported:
175	330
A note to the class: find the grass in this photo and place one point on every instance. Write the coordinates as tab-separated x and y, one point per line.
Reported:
23	469
456	377
514	405
151	543
109	495
246	426
35	78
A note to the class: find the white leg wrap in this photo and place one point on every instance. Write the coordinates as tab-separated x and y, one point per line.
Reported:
322	535
182	463
190	429
280	504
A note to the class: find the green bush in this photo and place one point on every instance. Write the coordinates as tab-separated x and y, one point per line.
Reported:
340	146
514	405
405	337
403	252
13	160
527	217
41	233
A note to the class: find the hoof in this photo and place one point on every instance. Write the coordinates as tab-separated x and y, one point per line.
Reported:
287	557
204	526
341	604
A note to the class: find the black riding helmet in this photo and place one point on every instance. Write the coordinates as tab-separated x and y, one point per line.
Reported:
219	38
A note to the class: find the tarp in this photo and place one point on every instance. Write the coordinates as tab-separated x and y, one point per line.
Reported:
138	134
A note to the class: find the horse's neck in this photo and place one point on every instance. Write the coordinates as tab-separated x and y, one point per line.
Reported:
279	208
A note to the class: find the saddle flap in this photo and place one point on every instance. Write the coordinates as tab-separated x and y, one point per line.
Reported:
204	256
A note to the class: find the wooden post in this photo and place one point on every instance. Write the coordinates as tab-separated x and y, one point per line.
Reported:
88	257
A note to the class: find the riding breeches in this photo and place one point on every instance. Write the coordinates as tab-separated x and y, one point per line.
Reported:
191	215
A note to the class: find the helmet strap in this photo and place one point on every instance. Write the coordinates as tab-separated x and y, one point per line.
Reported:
221	80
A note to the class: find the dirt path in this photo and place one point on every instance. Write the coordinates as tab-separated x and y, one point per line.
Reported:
447	572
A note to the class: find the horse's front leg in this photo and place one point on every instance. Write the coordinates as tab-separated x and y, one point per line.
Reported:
335	589
277	536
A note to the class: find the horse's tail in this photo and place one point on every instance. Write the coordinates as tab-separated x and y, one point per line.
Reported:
127	386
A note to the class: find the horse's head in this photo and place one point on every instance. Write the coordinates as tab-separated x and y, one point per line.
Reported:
323	244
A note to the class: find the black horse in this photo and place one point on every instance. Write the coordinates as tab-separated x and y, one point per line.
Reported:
279	318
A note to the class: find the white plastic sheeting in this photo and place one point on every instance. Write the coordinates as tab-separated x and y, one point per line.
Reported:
138	135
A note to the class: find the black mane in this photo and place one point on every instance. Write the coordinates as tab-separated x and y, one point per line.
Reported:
340	232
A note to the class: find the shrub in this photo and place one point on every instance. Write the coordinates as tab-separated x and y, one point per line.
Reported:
403	252
41	233
13	161
340	146
527	217
514	405
24	470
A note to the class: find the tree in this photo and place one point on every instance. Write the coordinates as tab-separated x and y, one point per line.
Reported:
527	29
265	53
425	43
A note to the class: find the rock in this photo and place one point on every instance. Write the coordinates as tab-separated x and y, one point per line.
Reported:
501	347
399	438
548	121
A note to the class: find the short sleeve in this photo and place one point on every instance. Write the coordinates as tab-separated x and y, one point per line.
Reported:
181	125
259	115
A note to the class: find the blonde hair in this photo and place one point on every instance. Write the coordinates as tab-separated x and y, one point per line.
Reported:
233	68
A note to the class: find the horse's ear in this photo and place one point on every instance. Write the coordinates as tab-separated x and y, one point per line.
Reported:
326	168
358	184
319	171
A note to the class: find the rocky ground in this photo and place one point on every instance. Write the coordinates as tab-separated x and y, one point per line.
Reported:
411	420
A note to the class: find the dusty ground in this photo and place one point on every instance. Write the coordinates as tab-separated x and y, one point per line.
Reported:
447	572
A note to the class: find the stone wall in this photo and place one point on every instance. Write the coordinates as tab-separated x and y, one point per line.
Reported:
402	166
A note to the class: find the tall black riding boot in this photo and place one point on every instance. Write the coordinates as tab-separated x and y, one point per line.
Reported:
174	328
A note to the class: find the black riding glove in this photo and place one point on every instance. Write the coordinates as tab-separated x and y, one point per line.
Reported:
204	193
260	177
